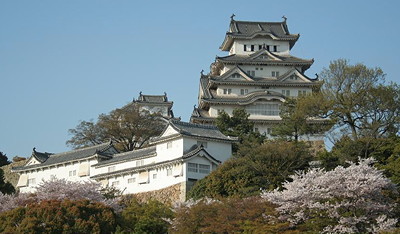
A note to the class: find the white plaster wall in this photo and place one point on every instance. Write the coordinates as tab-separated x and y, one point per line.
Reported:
162	181
219	150
124	165
238	48
164	154
169	131
59	172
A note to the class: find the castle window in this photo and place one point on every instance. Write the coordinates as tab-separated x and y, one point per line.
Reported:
259	47
236	75
301	93
111	169
204	169
169	145
72	173
169	171
264	109
154	176
252	47
251	73
245	47
244	91
286	92
268	47
275	48
31	181
139	163
115	183
193	167
275	73
227	91
131	180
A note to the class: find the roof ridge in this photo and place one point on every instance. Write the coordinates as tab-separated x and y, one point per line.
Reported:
134	151
81	149
193	124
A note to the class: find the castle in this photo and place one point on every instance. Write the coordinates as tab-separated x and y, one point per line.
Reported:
258	75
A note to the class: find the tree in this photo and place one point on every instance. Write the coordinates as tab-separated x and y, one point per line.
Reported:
3	159
55	216
301	116
229	215
344	200
361	102
149	217
129	127
59	189
238	125
255	166
5	187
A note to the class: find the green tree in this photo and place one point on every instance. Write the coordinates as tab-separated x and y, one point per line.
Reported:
361	102
255	167
301	116
238	125
3	159
129	127
146	217
5	187
56	216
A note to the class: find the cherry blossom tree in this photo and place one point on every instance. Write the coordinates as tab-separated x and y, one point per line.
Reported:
59	189
343	200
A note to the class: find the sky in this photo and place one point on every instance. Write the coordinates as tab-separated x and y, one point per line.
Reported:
66	61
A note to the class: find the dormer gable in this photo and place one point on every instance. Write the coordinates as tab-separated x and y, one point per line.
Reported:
169	131
295	76
236	74
263	55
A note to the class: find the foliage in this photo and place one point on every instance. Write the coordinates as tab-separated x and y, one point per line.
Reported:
55	216
344	200
149	217
233	215
255	166
299	115
129	127
238	125
361	102
3	159
58	189
347	149
5	187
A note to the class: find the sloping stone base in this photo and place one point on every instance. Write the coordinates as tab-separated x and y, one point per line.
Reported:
169	195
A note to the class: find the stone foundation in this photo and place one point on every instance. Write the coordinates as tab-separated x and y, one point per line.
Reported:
169	195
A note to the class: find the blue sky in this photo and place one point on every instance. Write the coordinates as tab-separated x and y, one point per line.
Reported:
66	61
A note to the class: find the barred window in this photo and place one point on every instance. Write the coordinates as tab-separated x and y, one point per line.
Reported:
264	109
204	169
131	180
193	167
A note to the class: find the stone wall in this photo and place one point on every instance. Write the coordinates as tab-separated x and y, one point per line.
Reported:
169	195
9	176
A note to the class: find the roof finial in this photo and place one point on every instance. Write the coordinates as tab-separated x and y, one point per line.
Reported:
140	93
316	74
284	18
202	72
232	17
34	149
194	106
165	93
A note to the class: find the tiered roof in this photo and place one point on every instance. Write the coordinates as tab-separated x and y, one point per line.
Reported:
248	30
